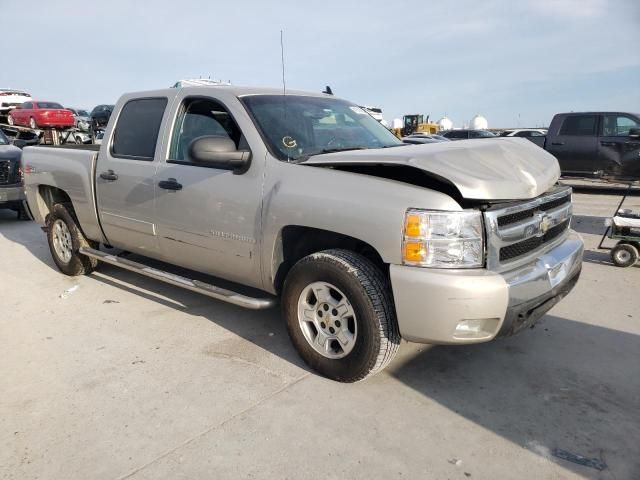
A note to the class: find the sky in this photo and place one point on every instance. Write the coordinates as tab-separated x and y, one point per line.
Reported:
514	62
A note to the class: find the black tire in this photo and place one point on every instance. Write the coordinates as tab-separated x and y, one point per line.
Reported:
23	214
624	255
368	291
78	264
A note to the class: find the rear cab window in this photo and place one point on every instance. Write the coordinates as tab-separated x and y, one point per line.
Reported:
136	133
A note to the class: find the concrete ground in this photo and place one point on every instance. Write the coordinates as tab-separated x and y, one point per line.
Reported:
115	376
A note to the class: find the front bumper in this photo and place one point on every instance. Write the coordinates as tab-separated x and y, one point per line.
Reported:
11	196
471	306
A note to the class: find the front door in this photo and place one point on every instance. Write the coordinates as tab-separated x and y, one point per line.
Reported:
619	154
125	177
576	145
207	219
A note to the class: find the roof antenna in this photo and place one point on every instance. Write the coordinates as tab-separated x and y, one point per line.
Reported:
284	83
284	86
328	90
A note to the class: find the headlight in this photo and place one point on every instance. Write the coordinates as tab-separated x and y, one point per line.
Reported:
443	239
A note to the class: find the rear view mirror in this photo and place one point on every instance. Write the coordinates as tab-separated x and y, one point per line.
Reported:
219	152
634	133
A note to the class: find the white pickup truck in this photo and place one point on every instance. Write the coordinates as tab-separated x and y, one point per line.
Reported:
306	198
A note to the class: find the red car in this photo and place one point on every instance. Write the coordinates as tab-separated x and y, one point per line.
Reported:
37	114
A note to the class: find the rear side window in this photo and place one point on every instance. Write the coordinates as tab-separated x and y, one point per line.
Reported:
136	132
579	125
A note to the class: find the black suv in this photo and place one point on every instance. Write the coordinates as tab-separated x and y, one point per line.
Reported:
100	116
466	134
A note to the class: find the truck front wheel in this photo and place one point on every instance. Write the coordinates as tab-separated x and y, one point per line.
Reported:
65	239
340	315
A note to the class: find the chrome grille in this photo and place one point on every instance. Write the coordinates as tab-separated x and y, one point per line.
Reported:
519	232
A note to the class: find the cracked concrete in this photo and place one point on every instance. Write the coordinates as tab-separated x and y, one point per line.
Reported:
125	377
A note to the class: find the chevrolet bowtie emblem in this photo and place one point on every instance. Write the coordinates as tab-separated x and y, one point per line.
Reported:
545	224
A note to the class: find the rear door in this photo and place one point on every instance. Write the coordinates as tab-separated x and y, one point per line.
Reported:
208	219
576	145
125	176
619	154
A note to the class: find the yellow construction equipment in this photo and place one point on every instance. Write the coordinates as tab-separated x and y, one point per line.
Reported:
415	123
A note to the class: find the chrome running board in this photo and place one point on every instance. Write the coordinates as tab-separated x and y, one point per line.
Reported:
179	281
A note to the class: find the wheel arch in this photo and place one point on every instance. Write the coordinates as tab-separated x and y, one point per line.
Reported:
295	242
48	196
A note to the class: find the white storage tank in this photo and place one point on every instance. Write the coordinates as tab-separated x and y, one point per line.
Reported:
396	123
445	123
478	123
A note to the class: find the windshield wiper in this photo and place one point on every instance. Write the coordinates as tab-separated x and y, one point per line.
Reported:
306	157
340	149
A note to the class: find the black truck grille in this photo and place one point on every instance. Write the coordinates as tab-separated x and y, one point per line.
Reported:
524	214
522	248
5	172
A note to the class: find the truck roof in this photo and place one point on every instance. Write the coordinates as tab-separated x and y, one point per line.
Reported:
598	113
234	90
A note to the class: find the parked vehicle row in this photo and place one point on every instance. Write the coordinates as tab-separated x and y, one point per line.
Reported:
366	240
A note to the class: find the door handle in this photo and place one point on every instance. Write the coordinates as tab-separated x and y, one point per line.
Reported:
608	144
557	143
109	175
171	184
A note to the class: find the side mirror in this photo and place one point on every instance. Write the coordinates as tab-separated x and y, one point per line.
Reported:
20	143
634	133
219	152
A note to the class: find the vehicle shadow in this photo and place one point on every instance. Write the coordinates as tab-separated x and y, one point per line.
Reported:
588	224
573	386
263	328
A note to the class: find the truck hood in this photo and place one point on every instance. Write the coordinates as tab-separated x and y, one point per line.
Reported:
488	169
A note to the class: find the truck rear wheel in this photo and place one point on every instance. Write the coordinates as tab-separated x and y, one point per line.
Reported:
65	239
340	315
624	255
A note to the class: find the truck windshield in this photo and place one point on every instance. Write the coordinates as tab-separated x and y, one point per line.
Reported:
296	127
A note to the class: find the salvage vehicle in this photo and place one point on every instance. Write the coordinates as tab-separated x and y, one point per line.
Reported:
11	98
524	132
100	115
595	144
82	117
11	184
305	198
464	134
37	114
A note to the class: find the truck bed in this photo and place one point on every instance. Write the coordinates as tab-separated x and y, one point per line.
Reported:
71	170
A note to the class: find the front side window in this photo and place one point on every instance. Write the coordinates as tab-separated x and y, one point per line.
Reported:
3	138
295	127
136	132
618	125
27	105
579	125
200	117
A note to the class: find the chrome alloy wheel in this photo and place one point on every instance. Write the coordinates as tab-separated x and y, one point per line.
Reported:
62	243
327	320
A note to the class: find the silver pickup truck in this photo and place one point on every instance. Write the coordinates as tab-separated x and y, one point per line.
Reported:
306	198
